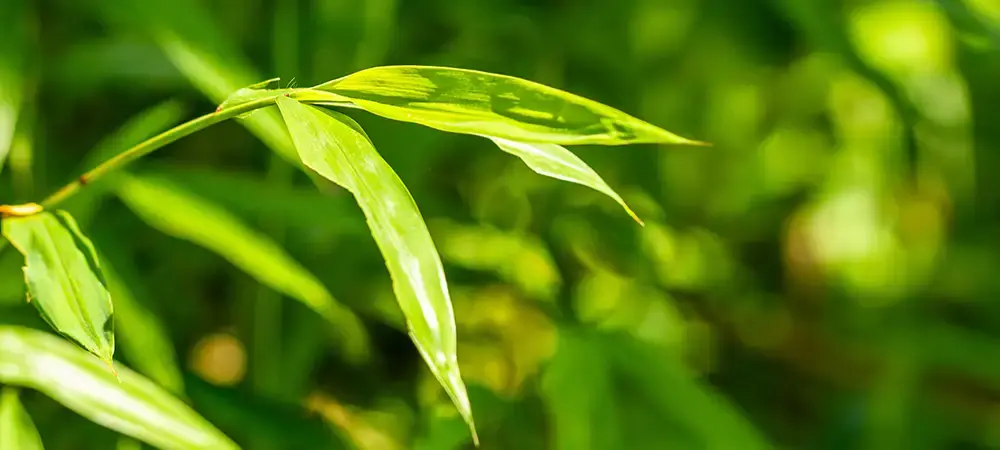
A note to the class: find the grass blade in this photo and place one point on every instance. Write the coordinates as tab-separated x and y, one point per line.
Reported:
335	147
556	161
131	404
17	431
480	103
64	279
170	209
13	52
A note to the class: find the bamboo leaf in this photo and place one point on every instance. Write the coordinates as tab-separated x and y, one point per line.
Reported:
64	279
335	147
176	212
556	161
486	104
17	431
131	404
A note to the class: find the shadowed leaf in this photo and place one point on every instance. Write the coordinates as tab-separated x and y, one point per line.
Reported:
17	431
170	209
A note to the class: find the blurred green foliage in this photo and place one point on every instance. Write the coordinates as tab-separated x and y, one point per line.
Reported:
823	277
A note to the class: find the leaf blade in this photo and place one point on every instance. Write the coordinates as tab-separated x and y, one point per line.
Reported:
129	404
176	212
335	147
480	103
555	161
64	279
17	431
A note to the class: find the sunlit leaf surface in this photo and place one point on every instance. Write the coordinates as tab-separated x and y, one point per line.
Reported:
480	103
17	431
64	279
170	209
130	404
335	147
556	161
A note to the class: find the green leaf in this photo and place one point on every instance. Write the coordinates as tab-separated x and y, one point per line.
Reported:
335	147
17	431
13	52
486	104
172	210
64	279
131	404
556	161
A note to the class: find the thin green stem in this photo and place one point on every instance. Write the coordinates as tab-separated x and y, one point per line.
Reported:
151	145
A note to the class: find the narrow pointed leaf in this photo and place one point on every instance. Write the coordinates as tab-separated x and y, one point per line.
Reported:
176	212
556	161
64	279
131	404
480	103
335	147
17	431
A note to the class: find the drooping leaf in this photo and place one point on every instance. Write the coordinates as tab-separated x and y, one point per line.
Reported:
556	161
178	213
17	431
131	404
486	104
64	279
334	146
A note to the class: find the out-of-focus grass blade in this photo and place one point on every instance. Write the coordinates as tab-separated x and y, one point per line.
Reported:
13	50
130	404
556	161
170	209
64	279
702	413
486	104
335	146
301	208
141	336
520	259
207	57
577	388
127	443
139	128
17	431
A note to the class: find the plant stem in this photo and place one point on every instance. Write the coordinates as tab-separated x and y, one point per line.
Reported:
150	145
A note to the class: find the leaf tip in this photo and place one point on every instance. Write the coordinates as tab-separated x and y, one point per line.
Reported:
633	215
111	365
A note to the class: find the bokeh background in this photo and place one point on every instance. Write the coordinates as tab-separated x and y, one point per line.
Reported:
825	276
